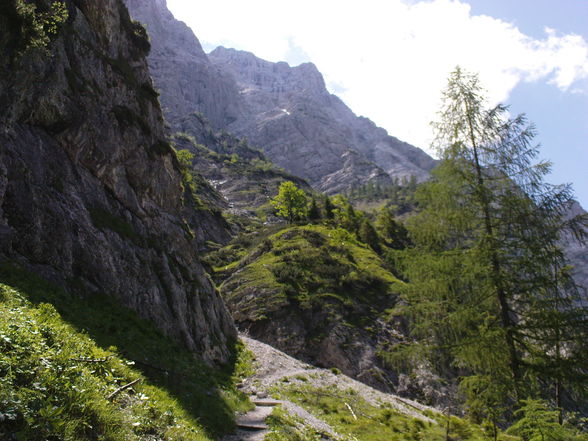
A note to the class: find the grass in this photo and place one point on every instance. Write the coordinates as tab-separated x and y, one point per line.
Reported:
285	427
354	418
51	393
305	267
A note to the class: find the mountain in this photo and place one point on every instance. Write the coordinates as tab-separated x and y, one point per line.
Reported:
91	193
286	111
187	80
310	132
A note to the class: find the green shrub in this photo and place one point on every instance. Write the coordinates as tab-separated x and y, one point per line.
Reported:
47	376
39	22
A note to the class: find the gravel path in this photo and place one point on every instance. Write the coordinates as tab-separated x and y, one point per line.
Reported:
273	365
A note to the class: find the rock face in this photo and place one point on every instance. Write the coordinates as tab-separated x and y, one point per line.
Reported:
286	111
90	190
187	80
310	132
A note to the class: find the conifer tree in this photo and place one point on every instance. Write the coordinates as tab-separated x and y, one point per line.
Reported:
329	207
314	212
488	276
393	232
367	234
345	215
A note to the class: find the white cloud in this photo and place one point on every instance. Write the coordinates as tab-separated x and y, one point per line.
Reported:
389	59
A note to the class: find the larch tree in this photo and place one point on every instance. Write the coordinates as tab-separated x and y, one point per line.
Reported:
490	291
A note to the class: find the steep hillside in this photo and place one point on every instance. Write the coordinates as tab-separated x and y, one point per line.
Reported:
285	111
88	369
317	294
242	176
91	192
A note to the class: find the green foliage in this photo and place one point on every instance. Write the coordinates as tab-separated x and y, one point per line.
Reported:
55	383
538	422
291	202
262	164
285	427
351	415
367	234
394	234
314	213
307	268
50	390
190	178
185	158
329	208
39	22
489	291
345	215
397	197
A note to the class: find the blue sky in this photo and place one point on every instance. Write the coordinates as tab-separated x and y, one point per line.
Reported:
389	59
561	117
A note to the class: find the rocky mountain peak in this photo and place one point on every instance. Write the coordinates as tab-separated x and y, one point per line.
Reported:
168	36
182	72
253	73
286	111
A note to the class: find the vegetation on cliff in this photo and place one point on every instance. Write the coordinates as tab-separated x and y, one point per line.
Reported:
66	362
309	267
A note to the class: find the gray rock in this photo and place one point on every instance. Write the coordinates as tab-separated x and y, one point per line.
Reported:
286	111
90	190
188	81
308	131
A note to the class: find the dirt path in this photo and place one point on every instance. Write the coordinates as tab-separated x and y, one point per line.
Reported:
273	365
251	426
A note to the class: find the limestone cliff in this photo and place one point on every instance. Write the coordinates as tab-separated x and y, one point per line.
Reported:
286	111
188	81
90	189
307	130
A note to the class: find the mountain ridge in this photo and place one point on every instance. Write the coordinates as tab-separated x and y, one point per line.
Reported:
309	140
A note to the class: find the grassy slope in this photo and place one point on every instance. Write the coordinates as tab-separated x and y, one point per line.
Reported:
355	419
306	267
49	391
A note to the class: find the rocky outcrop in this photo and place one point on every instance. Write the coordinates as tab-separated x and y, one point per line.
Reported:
90	189
307	130
240	174
286	111
188	81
